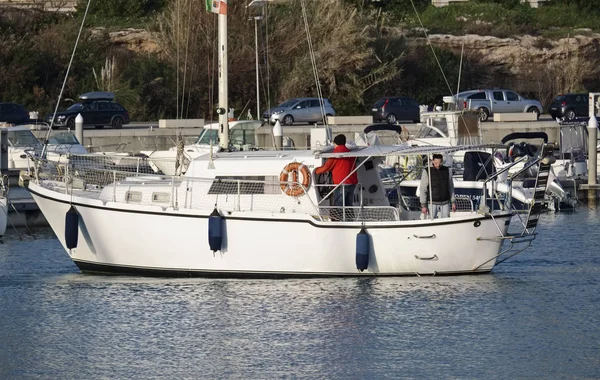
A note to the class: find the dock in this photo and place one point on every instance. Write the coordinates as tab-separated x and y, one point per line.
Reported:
152	136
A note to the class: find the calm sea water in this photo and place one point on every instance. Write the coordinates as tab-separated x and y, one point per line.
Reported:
537	316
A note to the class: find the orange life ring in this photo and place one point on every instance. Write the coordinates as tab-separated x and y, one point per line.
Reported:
294	189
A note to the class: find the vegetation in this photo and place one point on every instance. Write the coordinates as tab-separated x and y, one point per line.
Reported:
363	50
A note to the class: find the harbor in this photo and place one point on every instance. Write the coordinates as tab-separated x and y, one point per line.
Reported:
533	318
164	134
441	234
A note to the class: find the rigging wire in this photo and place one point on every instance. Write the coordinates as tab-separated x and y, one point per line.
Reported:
44	149
177	38
268	90
462	52
313	61
440	65
187	49
431	46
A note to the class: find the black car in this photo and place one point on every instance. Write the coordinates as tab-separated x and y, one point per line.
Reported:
393	109
13	113
96	108
569	106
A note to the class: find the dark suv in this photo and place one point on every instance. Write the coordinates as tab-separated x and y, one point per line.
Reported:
569	106
393	109
13	113
96	108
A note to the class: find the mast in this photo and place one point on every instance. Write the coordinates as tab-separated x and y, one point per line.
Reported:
223	109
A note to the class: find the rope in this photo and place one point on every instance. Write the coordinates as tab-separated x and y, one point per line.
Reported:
44	149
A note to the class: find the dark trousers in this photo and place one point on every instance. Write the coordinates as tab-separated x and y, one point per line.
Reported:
343	196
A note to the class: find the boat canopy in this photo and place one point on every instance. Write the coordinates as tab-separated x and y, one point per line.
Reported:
405	150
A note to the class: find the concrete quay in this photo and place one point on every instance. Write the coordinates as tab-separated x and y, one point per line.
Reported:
147	136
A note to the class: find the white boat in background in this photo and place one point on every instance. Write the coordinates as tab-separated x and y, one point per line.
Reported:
22	143
176	159
452	128
3	214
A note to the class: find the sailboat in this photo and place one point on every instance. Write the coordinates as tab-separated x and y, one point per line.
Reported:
263	214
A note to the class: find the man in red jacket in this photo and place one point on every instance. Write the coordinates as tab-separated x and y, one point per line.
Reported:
340	169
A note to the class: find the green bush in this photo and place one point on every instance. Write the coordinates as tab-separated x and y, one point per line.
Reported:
122	8
120	13
582	5
480	18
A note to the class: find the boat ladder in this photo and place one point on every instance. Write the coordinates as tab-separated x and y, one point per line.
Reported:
541	183
518	242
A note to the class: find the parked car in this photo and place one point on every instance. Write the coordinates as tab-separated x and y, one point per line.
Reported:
394	109
569	106
299	110
488	102
97	108
13	113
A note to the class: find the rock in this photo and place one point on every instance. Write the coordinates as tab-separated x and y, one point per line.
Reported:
135	40
517	54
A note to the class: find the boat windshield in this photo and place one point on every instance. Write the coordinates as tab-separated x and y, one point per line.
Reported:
427	132
207	136
60	138
23	138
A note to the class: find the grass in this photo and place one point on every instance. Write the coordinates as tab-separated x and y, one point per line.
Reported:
551	21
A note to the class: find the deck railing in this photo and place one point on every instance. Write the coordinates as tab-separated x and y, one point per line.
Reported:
130	180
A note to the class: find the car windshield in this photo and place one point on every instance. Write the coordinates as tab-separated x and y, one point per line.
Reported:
75	107
63	138
23	139
379	103
560	98
288	103
207	136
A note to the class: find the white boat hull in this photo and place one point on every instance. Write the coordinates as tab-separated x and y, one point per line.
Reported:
126	238
3	215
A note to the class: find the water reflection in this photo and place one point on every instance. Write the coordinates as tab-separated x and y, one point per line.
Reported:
534	317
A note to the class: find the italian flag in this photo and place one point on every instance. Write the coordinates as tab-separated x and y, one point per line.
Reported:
217	6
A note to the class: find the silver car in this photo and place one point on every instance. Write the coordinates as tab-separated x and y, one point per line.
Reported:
489	102
295	110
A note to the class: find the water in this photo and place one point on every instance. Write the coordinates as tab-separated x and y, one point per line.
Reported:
536	316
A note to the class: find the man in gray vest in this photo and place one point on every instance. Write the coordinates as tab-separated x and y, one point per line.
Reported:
442	189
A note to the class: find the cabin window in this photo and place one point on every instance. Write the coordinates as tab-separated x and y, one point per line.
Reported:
133	196
238	184
161	197
242	137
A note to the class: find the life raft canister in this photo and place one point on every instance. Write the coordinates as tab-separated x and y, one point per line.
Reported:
293	188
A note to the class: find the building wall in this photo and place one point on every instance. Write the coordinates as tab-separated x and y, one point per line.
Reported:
442	3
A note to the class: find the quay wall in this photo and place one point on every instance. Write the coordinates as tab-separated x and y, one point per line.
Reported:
138	139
